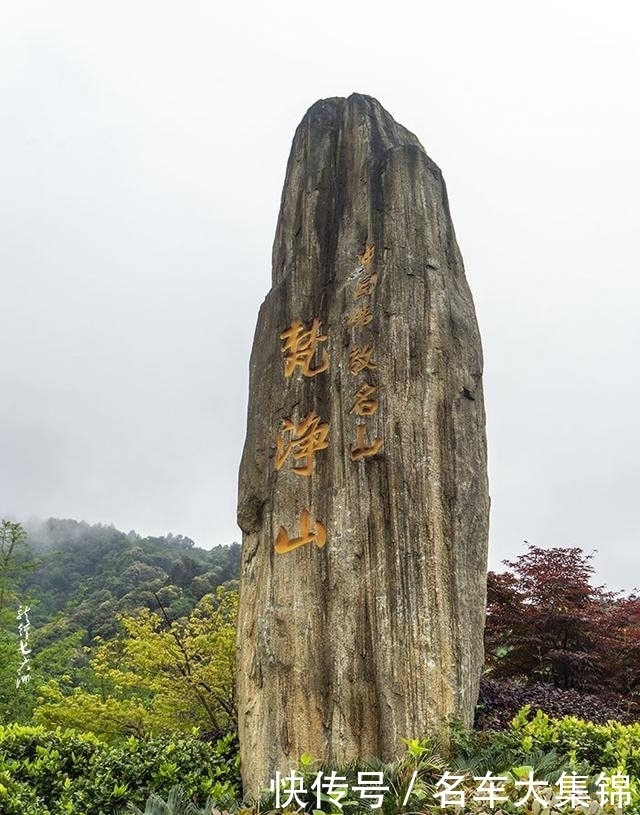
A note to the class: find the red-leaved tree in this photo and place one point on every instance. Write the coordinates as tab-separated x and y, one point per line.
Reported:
545	620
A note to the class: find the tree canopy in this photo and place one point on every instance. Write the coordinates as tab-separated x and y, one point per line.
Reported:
546	622
100	602
156	676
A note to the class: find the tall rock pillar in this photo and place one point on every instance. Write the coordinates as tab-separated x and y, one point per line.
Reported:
363	496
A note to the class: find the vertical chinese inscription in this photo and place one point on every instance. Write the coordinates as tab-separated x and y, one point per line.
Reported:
301	440
24	626
361	357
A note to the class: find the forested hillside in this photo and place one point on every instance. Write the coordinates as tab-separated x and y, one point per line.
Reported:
124	633
83	575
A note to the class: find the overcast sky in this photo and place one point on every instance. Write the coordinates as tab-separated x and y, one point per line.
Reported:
143	147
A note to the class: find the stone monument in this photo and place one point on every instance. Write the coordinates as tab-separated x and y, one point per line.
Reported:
363	495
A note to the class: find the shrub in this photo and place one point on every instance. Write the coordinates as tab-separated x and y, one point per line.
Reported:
69	773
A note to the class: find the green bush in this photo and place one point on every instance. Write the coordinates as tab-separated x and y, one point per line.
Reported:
607	747
69	773
549	747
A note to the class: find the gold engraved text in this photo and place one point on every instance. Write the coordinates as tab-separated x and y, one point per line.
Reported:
367	256
318	536
300	347
361	359
304	440
365	286
364	404
361	450
359	317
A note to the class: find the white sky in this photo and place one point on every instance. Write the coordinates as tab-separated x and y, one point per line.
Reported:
142	153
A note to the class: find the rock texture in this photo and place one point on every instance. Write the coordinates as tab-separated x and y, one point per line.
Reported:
363	496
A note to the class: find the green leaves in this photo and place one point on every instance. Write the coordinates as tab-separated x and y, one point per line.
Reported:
68	773
158	676
12	540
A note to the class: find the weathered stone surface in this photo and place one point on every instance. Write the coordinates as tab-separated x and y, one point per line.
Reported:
345	648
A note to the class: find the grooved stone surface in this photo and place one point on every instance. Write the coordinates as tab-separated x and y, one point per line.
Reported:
365	458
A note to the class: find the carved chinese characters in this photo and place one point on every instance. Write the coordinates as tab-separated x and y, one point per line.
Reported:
365	286
359	317
299	441
305	439
365	405
300	346
362	449
307	535
361	358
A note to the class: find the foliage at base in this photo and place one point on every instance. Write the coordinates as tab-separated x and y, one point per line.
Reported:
69	773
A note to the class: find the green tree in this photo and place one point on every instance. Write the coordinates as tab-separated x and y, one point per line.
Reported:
12	544
16	699
157	676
